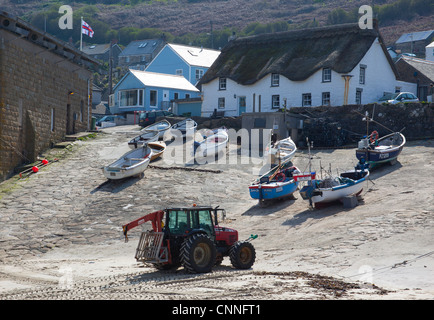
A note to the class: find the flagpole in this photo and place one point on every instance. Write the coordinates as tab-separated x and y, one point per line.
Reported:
81	34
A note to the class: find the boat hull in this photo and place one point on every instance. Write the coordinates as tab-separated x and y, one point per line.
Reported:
271	191
130	164
212	145
387	149
325	195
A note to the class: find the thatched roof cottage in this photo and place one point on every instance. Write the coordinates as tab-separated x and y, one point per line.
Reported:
332	65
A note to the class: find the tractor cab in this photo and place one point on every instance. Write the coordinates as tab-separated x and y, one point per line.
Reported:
187	221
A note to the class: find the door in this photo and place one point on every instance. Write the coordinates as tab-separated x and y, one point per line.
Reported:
165	104
241	105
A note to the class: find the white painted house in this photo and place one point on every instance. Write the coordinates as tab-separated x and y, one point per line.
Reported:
333	65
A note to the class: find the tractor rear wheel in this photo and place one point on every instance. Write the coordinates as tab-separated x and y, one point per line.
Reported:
198	254
242	255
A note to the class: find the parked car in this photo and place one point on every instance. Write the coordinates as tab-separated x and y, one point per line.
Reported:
149	117
398	97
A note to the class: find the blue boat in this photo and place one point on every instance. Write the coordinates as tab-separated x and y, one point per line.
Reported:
376	150
275	184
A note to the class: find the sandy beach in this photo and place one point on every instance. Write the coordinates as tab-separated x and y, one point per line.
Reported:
61	230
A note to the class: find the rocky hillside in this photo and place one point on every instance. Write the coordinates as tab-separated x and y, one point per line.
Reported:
181	17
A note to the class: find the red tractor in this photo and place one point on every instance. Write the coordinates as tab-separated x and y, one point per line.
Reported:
190	237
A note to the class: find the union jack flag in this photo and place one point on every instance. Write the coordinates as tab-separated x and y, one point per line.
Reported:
86	29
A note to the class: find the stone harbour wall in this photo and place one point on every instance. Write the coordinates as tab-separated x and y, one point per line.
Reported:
43	97
344	125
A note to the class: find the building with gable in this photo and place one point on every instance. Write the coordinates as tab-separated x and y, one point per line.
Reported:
139	53
333	65
141	91
190	62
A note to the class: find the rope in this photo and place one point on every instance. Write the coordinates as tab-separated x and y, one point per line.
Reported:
396	265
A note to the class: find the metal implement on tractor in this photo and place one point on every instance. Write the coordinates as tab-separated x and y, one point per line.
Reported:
190	237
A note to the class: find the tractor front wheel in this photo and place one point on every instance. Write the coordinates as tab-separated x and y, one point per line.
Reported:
242	255
198	254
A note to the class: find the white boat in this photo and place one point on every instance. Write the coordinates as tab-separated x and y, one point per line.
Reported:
282	150
183	126
130	164
335	188
160	126
213	143
143	138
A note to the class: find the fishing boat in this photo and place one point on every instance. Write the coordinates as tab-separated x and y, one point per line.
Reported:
282	150
214	141
183	126
160	126
277	183
375	150
330	189
157	148
143	138
130	164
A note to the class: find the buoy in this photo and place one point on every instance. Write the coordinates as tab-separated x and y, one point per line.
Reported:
45	161
35	169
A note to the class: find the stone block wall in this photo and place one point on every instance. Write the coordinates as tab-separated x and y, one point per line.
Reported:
43	97
344	125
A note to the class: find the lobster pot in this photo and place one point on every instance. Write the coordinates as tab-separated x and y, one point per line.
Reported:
149	248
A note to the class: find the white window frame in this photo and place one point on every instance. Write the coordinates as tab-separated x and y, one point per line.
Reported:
275	80
306	99
139	96
362	74
325	97
221	103
326	75
199	74
222	83
275	101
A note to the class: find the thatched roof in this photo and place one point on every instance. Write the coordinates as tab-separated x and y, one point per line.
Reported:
294	54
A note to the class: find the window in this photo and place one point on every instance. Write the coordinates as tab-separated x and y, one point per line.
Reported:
222	84
179	72
362	75
326	75
326	98
128	98
153	98
187	96
53	117
176	95
140	97
275	101
359	96
199	74
306	99
275	80
221	103
81	110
